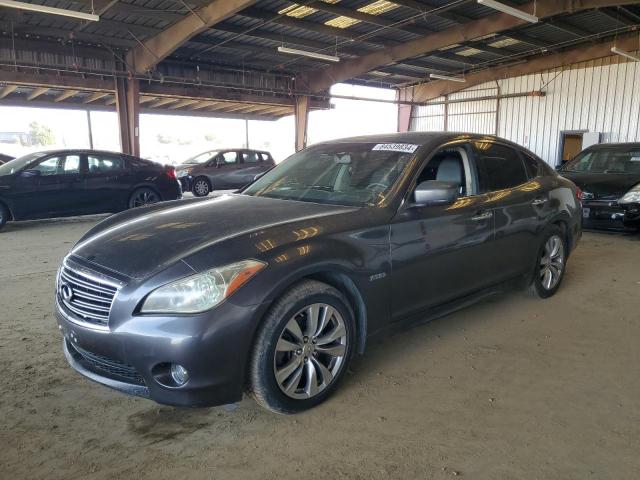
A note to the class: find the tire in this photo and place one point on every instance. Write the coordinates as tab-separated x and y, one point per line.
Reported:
309	370
551	263
143	196
4	215
201	187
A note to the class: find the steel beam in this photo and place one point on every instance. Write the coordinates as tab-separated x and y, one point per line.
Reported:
322	79
431	90
301	112
152	51
128	109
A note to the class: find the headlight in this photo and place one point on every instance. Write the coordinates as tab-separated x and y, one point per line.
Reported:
203	291
632	196
183	173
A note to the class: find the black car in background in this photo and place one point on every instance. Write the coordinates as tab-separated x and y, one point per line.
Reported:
228	169
81	182
273	289
609	176
5	158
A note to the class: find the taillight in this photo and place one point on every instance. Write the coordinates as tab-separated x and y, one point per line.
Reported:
579	194
171	173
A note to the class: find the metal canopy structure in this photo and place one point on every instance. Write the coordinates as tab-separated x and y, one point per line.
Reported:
220	57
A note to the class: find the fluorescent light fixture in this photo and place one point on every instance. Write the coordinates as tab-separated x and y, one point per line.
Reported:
509	10
446	77
624	53
306	53
32	7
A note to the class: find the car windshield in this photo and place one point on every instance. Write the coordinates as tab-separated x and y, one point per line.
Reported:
606	160
200	158
18	164
351	174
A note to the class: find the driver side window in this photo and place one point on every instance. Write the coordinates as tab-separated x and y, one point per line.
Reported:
449	165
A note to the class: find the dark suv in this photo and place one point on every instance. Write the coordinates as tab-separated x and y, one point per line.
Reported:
222	170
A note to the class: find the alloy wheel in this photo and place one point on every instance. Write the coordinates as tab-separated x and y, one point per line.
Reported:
145	197
310	351
201	188
552	262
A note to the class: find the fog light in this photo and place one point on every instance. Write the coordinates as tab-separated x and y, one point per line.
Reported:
179	374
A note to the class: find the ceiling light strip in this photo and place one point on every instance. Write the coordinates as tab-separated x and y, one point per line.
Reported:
436	76
306	53
501	7
624	53
32	7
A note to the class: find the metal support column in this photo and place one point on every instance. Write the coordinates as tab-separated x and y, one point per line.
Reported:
302	119
128	108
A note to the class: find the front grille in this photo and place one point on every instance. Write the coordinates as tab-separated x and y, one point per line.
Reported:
106	366
88	297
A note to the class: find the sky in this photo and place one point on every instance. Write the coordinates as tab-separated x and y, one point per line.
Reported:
173	138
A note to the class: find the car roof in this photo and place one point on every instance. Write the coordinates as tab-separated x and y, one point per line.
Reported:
71	151
615	145
430	139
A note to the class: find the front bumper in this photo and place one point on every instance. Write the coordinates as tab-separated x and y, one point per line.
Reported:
185	182
132	358
603	214
631	215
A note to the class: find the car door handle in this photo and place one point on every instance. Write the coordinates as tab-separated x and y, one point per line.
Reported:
539	201
482	216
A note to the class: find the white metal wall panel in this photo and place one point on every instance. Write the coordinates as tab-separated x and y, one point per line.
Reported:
597	96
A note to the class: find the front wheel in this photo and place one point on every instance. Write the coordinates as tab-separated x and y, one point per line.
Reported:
4	215
143	196
550	264
302	349
201	187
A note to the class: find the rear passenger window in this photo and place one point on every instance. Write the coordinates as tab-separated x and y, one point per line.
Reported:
250	157
499	167
104	164
531	165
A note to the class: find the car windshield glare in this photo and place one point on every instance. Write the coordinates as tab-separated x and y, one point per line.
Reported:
607	160
17	164
200	158
350	174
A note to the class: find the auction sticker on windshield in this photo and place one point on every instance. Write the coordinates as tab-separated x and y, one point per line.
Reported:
396	147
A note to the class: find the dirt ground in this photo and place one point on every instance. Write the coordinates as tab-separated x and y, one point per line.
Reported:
511	388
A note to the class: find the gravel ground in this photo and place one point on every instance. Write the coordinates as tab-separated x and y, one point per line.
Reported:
510	388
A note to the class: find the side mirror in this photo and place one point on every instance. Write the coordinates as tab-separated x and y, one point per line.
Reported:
30	173
433	192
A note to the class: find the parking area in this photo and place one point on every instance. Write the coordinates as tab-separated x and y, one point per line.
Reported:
514	387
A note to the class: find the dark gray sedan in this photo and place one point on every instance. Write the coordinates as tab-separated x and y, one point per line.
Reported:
222	170
272	290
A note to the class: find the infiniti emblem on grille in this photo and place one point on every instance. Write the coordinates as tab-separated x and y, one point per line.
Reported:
66	292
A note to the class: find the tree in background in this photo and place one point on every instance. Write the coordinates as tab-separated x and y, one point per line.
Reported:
41	134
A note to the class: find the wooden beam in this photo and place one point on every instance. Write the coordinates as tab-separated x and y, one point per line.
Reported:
37	92
95	96
322	79
431	90
65	95
8	90
146	56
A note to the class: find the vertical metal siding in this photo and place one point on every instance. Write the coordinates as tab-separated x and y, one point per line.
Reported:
597	96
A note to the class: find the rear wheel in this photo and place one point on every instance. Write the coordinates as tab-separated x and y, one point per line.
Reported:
550	264
201	187
4	215
143	196
302	349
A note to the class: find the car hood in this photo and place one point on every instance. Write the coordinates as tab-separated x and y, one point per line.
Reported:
605	186
143	241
